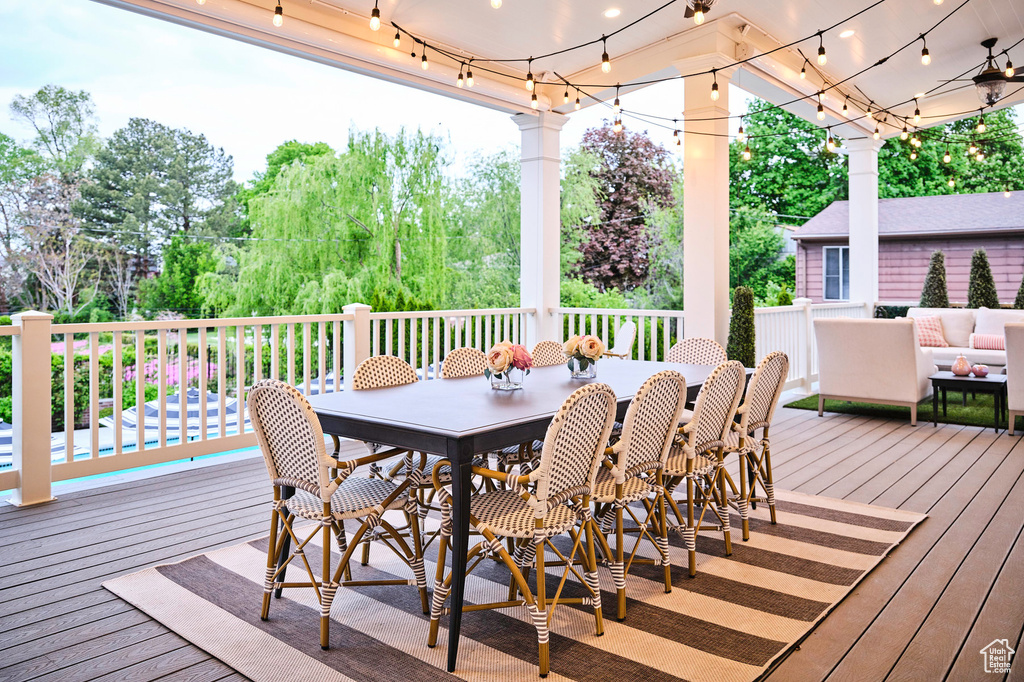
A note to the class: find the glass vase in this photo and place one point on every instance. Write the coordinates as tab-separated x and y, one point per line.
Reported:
509	380
582	369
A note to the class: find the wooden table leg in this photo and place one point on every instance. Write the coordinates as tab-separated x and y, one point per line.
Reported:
460	453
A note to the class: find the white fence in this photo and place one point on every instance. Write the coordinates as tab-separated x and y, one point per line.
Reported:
85	368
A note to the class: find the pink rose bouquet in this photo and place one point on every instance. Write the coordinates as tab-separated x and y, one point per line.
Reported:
504	356
583	351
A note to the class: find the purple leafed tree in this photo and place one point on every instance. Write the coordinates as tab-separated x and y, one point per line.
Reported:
634	175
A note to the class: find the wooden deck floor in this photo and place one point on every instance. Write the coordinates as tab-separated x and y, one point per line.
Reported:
955	585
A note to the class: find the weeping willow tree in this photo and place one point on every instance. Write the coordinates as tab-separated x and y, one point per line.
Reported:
368	224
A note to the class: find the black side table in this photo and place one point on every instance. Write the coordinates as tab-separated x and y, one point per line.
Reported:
993	383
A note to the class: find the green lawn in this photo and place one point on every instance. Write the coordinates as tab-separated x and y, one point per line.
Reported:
978	412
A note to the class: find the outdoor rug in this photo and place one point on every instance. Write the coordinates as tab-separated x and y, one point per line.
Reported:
731	622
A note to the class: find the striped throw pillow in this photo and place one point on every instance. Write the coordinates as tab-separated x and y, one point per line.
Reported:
988	341
929	332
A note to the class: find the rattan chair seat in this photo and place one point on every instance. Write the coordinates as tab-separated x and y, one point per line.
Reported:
508	515
675	465
355	498
633	490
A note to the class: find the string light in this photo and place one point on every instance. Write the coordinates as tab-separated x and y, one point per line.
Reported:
577	105
462	79
803	70
616	106
496	4
822	59
375	18
926	57
740	135
981	122
947	157
529	75
746	153
915	140
533	101
821	109
905	133
952	182
618	125
565	97
871	106
830	143
913	155
698	12
917	112
846	106
675	134
606	62
278	14
397	42
980	156
1010	71
714	86
424	64
973	149
200	2
877	134
469	75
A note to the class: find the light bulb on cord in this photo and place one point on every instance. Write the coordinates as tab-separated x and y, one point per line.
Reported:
278	15
822	58
469	76
803	70
698	13
830	144
980	156
618	125
973	149
1010	71
714	86
200	2
616	106
877	134
746	153
461	80
917	113
981	124
740	135
397	42
375	18
606	62
496	4
952	182
913	155
424	64
947	157
821	109
529	75
904	134
576	106
937	2
533	101
846	107
565	97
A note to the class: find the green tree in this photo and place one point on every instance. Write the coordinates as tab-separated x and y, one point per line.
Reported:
741	328
284	155
981	289
935	294
64	122
186	260
755	254
18	167
664	286
1018	302
198	193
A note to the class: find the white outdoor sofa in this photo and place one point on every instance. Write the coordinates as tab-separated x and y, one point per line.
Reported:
959	326
872	361
1015	371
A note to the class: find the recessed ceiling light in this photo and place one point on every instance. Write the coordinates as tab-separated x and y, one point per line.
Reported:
847	33
612	13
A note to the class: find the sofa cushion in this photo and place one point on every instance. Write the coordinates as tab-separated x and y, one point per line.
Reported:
988	341
957	323
945	357
929	332
989	321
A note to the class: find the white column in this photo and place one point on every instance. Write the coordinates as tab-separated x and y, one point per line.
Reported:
355	339
31	393
540	208
864	219
706	200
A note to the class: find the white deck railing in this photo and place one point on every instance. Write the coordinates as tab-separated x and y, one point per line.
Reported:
99	363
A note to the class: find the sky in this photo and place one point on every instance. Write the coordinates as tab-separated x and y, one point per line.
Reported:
244	98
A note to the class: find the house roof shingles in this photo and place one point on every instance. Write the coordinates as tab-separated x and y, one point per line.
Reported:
942	215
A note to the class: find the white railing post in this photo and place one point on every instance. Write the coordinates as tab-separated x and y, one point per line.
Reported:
805	330
31	393
355	337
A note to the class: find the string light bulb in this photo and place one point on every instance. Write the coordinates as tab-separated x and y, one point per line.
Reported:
926	57
424	64
496	4
577	104
871	107
947	157
904	134
397	42
917	112
533	101
618	125
952	182
698	13
714	86
278	15
616	107
469	75
606	62
565	97
803	70
821	109
746	153
822	58
846	106
830	143
675	135
877	134
1010	71
913	155
740	134
980	156
973	149
200	2
461	81
529	75
915	140
375	18
981	123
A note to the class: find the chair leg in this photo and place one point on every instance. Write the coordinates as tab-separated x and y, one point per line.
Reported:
723	510
618	567
540	618
285	548
268	586
691	529
769	485
821	404
440	591
417	558
663	531
591	577
327	586
913	414
744	497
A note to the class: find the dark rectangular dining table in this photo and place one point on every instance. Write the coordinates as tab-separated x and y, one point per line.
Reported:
458	418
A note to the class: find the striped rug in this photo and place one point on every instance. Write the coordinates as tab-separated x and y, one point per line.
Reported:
731	622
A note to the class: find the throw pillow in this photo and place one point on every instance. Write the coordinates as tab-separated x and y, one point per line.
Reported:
929	332
988	342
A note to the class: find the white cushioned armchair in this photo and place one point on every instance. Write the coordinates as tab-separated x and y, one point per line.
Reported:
1015	371
872	361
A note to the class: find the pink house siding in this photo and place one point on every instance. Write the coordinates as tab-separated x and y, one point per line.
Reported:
903	263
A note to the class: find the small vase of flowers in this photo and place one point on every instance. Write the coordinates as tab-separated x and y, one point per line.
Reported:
583	353
507	366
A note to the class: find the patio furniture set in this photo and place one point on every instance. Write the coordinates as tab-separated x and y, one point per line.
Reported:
535	475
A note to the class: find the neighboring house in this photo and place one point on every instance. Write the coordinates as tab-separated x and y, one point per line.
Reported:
909	230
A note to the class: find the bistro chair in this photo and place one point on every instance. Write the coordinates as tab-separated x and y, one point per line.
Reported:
552	500
697	350
632	471
324	490
697	459
548	354
464	362
625	336
756	412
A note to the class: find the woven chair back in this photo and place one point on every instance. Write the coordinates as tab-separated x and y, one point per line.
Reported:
764	390
625	336
463	362
697	350
289	436
382	371
716	405
547	354
575	443
651	422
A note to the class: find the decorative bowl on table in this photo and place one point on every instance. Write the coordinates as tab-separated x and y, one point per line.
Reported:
980	371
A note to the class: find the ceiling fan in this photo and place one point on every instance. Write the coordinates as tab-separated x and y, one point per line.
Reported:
696	9
991	81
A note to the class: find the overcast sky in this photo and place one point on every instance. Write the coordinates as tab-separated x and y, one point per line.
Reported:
243	98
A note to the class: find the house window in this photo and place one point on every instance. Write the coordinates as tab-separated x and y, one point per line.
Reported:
837	272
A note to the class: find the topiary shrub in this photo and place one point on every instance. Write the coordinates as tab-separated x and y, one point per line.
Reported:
981	290
741	327
785	298
1018	303
934	294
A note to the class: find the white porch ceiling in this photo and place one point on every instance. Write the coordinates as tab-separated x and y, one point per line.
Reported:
337	32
